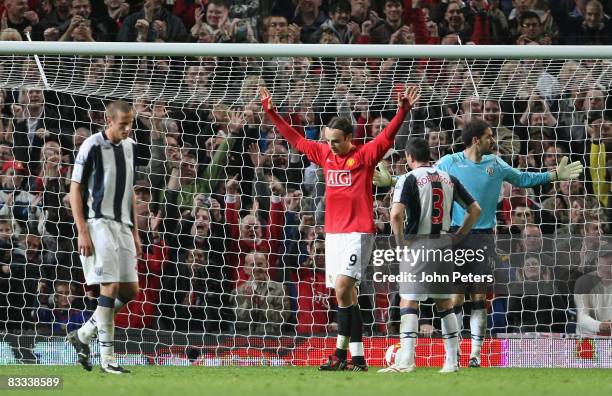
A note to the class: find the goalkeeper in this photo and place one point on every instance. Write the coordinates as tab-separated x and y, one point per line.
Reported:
482	174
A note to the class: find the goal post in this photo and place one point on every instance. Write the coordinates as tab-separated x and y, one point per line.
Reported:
211	169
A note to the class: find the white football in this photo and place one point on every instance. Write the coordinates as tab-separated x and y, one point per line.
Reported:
392	353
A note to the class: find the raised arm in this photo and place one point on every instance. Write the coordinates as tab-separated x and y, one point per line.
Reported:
312	149
564	171
376	149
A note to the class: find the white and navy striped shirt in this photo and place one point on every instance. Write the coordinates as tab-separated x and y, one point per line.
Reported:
428	194
107	170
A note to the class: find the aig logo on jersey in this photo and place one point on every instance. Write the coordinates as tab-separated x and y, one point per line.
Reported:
339	178
490	170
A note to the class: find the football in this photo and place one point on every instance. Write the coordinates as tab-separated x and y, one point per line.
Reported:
392	352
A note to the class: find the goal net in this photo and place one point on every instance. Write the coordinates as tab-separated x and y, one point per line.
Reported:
232	275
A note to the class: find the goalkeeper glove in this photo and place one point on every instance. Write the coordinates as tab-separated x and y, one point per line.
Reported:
382	177
567	171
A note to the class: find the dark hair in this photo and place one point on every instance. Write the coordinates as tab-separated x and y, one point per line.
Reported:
393	1
341	123
220	3
418	148
530	15
340	5
473	129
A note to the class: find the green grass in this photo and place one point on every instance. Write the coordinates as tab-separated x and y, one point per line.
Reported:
250	381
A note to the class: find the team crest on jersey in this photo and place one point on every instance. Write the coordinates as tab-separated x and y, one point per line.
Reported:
490	170
350	162
339	178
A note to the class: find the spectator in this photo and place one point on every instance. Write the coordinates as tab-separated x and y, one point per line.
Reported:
309	17
438	143
535	304
247	234
455	23
59	14
515	16
506	142
531	243
593	297
315	302
217	13
14	300
15	201
63	316
6	152
275	30
99	29
80	134
360	11
18	17
591	28
152	23
599	155
247	10
531	30
382	32
116	10
34	119
262	305
338	27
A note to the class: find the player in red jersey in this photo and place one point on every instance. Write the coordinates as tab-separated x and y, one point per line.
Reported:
349	218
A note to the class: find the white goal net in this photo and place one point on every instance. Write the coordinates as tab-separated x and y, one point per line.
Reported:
229	275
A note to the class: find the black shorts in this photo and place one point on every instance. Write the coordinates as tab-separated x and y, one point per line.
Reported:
475	265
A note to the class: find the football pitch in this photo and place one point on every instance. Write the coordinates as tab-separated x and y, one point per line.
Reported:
289	381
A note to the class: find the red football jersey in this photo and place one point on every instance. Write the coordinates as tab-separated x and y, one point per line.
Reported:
349	202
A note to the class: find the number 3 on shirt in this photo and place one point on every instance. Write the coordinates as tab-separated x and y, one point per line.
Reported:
437	213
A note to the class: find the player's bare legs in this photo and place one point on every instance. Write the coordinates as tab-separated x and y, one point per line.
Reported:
350	326
478	323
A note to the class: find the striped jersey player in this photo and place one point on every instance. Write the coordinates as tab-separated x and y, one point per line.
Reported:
349	218
422	205
103	204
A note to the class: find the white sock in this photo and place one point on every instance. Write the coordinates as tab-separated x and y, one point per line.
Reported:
106	331
449	334
356	348
409	327
88	330
342	342
478	328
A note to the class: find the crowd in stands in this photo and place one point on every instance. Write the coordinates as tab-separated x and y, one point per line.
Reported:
232	220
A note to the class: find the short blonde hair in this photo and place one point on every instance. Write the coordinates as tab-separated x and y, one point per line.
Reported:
117	106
